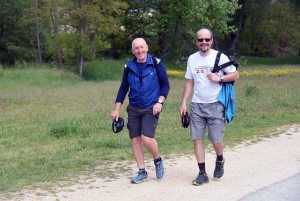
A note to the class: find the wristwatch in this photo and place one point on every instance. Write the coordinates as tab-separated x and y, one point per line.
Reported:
222	78
160	102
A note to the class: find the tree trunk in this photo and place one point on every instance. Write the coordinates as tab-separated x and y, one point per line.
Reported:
164	42
253	46
239	22
80	53
38	54
92	46
55	25
234	38
80	63
1	30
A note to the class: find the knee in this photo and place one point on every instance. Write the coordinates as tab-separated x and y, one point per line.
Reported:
199	142
148	140
136	140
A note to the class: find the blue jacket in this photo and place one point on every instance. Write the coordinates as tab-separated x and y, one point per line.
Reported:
144	92
227	98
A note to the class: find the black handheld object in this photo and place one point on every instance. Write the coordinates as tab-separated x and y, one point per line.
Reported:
117	126
185	120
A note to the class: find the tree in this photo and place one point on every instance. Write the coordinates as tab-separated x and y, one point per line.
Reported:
56	32
215	15
281	34
17	32
239	20
87	24
272	28
257	12
38	53
169	25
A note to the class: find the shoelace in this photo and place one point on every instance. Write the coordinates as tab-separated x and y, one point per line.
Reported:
157	165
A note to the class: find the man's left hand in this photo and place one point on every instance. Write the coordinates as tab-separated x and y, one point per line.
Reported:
213	77
157	108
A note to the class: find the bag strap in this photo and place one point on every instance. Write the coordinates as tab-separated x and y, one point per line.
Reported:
217	62
154	66
218	67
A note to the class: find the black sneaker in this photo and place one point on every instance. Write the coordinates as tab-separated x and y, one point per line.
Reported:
219	170
202	178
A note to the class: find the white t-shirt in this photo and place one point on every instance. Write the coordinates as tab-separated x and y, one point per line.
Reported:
198	67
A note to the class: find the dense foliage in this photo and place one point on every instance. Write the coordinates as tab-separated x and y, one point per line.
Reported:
68	33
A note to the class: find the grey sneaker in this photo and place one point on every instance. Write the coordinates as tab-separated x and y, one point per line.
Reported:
201	179
159	167
141	177
219	169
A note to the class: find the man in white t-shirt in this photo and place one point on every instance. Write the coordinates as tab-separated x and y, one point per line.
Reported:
206	110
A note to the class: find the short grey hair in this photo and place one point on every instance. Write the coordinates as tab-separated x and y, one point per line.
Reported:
142	39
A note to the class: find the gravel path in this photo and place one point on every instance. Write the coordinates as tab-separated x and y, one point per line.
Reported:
249	167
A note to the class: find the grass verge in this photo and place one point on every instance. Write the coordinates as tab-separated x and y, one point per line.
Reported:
55	125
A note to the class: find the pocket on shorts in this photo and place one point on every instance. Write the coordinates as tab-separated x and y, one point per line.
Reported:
220	110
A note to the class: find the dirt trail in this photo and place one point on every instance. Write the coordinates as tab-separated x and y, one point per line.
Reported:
248	167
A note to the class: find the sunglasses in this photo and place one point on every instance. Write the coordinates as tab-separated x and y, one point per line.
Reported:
202	39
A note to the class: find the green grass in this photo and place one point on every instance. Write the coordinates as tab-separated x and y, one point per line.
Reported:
113	69
246	61
54	125
104	70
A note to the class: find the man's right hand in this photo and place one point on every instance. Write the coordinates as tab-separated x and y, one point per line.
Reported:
114	115
182	109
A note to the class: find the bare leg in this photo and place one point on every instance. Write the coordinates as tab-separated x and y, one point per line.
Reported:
199	151
218	148
138	151
151	145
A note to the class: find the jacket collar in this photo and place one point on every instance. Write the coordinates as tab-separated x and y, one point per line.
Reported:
133	61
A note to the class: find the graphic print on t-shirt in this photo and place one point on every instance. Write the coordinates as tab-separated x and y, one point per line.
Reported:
203	69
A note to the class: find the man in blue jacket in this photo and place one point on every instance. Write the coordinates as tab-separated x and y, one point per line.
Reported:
147	81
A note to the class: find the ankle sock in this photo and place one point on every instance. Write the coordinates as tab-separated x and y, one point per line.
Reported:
156	160
143	170
220	158
201	168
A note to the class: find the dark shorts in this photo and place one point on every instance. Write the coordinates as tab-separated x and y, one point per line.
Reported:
141	121
210	115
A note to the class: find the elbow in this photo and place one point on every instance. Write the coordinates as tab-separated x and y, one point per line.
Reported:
237	75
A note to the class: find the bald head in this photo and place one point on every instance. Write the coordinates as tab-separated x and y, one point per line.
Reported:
204	40
139	41
140	49
204	31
